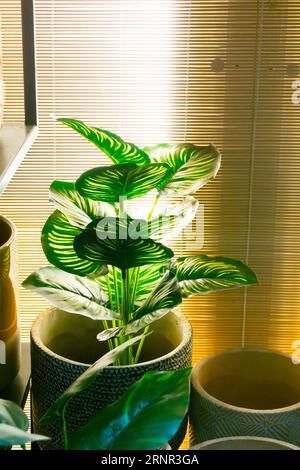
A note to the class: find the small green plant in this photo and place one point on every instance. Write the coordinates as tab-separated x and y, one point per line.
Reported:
112	266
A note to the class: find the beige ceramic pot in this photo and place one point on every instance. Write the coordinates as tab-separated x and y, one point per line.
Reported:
9	333
62	347
246	392
244	443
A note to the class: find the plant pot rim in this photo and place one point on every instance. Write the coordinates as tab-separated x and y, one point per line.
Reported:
13	234
187	333
244	438
196	385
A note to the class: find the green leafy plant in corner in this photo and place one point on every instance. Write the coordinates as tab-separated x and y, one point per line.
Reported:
111	266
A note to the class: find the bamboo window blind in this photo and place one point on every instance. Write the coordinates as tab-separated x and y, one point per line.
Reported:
170	71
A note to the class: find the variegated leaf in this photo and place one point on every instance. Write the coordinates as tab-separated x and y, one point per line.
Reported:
202	274
192	166
134	326
111	183
171	220
124	254
71	293
111	144
58	244
80	211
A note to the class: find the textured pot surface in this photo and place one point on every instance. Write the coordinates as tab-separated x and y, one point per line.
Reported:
245	392
62	347
245	443
9	334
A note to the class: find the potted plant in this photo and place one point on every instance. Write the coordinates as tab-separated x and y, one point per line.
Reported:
112	277
144	418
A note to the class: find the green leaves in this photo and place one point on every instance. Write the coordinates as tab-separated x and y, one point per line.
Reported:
145	418
85	380
192	166
110	183
171	220
79	211
165	296
111	144
58	244
124	254
202	274
71	293
14	425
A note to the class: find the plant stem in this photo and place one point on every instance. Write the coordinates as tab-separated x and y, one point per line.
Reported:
154	206
140	346
141	343
64	429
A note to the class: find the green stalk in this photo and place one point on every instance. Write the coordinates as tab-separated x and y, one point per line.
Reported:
64	429
141	343
154	206
140	346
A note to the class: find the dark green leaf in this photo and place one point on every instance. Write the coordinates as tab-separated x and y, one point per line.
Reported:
145	418
124	254
58	244
192	166
71	293
111	144
80	211
110	183
202	274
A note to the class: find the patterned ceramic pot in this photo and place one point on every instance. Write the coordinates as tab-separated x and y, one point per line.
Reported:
62	347
245	443
246	392
9	332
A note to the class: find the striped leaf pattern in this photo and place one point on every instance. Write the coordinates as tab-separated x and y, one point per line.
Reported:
124	254
80	211
171	220
121	181
134	326
166	295
58	244
111	144
71	293
202	274
192	166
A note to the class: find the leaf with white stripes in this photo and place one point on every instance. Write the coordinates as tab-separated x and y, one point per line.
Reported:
58	237
202	274
134	326
111	144
192	166
110	183
123	253
71	293
171	220
165	296
79	210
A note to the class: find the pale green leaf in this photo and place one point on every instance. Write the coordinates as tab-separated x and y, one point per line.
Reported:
71	293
